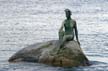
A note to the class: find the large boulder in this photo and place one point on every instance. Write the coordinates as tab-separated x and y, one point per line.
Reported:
49	53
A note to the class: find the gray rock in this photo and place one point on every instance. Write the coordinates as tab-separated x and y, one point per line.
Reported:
49	53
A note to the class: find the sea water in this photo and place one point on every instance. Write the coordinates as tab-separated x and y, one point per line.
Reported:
25	22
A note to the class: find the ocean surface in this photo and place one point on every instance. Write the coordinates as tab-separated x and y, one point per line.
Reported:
25	22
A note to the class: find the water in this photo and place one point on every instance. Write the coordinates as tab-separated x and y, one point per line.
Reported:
25	22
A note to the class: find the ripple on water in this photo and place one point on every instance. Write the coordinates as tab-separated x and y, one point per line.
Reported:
24	22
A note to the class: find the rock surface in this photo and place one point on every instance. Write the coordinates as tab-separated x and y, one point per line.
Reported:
47	53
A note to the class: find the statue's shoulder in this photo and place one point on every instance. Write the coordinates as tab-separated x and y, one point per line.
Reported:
73	20
64	21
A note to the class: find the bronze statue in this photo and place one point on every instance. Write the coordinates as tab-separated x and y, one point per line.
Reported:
70	27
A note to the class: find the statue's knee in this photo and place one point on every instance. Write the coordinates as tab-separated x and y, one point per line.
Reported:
61	33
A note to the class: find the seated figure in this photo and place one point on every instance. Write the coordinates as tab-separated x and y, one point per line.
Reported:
67	30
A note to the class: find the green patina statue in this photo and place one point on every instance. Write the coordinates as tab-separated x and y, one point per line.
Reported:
67	30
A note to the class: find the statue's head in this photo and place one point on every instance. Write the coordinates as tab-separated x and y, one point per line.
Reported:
68	13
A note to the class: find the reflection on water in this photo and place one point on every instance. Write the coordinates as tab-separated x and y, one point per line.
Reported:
24	22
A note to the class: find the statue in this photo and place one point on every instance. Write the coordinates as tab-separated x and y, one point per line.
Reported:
68	55
67	30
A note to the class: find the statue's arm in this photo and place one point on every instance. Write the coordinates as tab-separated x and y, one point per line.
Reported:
61	32
61	28
76	32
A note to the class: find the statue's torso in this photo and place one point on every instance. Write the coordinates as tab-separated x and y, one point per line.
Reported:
69	26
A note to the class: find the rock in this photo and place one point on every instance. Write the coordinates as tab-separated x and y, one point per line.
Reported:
47	53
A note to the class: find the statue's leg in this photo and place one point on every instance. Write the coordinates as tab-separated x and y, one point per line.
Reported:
70	37
61	35
65	39
63	42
